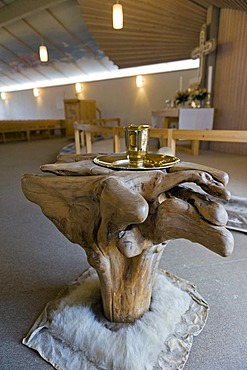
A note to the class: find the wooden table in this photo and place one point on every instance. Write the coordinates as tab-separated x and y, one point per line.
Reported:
184	119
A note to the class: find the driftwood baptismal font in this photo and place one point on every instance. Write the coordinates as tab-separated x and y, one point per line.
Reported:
124	219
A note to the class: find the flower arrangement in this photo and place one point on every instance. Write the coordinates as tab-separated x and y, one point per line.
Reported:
198	94
191	95
182	97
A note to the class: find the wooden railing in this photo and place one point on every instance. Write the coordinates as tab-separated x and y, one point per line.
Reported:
231	136
101	121
12	130
84	136
171	136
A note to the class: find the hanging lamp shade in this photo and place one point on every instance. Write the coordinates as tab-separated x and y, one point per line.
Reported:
43	53
117	16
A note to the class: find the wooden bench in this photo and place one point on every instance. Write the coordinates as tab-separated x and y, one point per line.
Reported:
12	130
171	136
116	132
231	136
101	121
84	135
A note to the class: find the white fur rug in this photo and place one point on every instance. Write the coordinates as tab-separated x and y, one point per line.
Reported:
72	333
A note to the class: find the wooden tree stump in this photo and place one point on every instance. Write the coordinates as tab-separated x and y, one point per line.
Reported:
124	219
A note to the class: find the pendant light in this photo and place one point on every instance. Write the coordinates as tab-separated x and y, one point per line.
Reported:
117	16
43	53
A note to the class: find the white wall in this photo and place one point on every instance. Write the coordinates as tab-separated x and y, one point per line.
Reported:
115	98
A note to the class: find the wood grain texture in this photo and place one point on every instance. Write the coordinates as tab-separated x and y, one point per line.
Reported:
230	95
154	31
124	219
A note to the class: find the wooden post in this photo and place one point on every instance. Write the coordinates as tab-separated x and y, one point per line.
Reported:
116	142
82	137
195	147
171	142
77	141
88	142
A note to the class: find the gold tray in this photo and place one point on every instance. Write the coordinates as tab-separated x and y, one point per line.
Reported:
152	161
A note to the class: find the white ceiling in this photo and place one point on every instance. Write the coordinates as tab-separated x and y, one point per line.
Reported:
81	41
24	25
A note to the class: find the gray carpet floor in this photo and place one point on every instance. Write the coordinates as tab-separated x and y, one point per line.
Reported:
36	261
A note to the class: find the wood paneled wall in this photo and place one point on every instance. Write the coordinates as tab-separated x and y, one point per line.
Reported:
230	93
